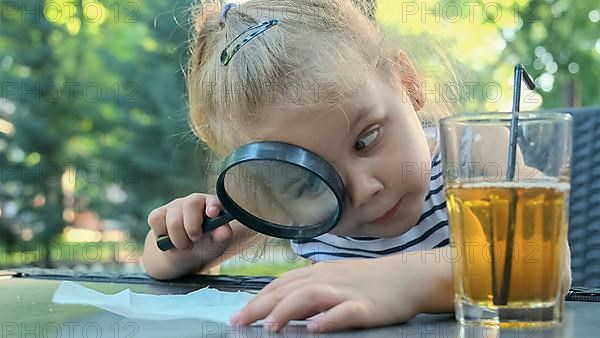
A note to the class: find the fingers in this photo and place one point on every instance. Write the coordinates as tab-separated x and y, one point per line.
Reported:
222	234
192	209
182	220
213	206
174	221
344	316
213	209
268	297
304	300
195	206
263	304
287	278
156	220
302	303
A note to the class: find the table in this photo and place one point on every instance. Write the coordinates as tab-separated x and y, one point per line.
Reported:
27	311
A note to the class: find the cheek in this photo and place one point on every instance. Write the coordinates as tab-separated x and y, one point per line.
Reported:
347	225
408	166
413	179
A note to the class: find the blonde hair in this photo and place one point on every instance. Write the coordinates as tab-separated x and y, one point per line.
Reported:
326	44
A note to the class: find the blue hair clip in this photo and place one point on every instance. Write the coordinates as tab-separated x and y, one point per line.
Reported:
253	31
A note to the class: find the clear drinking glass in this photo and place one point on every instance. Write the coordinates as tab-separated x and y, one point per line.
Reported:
508	236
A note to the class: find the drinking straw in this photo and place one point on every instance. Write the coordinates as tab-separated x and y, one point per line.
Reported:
520	75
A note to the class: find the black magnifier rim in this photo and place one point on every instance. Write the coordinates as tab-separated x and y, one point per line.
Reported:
289	154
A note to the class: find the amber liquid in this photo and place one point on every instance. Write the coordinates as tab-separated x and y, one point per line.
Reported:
481	218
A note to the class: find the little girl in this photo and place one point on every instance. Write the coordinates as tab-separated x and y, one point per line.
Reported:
320	75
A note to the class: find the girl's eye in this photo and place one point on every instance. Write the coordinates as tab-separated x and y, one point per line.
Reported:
312	186
367	139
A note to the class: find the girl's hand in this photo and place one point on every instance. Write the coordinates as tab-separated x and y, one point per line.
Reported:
353	293
182	220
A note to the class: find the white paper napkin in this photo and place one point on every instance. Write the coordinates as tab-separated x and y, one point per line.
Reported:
205	304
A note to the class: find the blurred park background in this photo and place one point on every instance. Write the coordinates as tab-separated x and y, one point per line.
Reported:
93	127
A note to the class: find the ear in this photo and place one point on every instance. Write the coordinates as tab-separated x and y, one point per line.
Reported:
410	80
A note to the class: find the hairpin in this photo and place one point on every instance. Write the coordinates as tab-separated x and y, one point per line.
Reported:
224	11
253	31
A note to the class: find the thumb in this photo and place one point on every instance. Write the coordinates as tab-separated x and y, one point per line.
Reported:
222	234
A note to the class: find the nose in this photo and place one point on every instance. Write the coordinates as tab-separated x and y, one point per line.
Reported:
362	187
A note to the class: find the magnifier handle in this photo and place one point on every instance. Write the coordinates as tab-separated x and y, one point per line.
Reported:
164	243
210	224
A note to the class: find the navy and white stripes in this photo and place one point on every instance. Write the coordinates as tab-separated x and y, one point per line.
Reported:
430	231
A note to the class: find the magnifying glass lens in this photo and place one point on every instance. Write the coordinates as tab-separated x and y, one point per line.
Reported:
277	189
281	193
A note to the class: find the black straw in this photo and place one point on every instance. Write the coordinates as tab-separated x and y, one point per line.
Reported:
519	76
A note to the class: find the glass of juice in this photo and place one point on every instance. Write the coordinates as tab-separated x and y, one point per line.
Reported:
508	233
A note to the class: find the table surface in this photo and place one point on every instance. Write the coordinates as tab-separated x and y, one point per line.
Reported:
27	311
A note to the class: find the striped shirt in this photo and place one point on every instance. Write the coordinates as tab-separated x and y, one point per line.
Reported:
430	231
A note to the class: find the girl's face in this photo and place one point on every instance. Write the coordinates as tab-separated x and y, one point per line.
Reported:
377	144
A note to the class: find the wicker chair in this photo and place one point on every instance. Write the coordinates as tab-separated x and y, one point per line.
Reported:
584	217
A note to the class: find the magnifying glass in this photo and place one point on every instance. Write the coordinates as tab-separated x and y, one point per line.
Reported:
278	189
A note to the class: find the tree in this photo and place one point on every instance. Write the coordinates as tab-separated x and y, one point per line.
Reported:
99	110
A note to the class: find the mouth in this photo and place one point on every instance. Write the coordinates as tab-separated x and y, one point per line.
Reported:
388	214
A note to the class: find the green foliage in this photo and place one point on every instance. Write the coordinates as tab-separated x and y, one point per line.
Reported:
556	40
96	87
